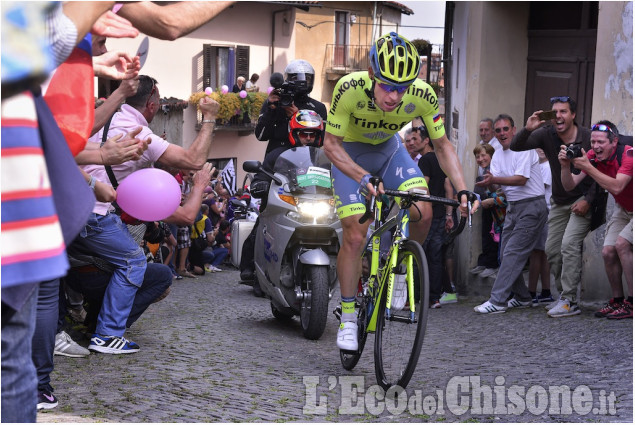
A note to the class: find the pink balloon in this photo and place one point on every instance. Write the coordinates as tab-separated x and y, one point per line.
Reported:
269	90
224	89
242	94
149	194
209	91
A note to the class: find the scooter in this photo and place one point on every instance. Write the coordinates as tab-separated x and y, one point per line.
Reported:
298	237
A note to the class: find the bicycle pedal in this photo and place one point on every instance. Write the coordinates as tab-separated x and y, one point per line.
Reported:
338	312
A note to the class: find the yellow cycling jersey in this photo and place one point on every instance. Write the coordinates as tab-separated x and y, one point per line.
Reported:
355	117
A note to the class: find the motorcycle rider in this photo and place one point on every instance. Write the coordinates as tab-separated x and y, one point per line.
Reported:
273	122
306	128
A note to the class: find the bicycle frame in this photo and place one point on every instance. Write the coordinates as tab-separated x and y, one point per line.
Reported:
375	286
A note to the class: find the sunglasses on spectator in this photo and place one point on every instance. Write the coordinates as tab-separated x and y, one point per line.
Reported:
602	128
390	88
306	133
561	99
499	129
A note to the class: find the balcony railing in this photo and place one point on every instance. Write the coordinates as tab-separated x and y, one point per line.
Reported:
343	59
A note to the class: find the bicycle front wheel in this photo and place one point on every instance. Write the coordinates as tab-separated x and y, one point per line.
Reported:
398	338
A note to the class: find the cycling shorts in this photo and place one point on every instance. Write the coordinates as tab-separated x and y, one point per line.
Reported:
389	160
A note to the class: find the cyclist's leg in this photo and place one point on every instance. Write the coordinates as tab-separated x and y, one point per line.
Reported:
350	208
401	172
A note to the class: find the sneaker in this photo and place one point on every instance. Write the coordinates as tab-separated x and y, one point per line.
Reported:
347	336
488	273
212	269
65	346
477	269
514	303
552	304
544	299
46	399
448	298
489	308
564	308
112	345
609	308
624	312
435	304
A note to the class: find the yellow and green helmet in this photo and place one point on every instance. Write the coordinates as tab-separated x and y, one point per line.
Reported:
395	60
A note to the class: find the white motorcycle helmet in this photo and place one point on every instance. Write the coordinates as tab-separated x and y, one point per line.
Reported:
300	70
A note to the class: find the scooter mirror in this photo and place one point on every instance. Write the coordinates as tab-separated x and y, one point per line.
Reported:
252	166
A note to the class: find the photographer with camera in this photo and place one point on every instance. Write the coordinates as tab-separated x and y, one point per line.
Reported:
290	94
610	164
570	214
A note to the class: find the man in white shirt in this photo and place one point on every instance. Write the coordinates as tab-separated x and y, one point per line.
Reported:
519	175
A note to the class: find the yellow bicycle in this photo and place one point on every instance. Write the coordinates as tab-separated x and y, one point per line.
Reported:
398	284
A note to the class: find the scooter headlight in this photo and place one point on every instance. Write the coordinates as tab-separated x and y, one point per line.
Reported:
316	212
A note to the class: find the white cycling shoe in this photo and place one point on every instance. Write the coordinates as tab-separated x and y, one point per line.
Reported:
347	336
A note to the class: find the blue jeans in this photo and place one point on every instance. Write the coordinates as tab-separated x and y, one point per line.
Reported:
93	284
46	326
107	237
19	382
219	255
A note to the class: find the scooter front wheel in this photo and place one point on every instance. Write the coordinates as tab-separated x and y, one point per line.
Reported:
314	308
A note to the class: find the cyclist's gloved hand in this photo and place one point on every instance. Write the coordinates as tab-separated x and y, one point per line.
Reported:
363	185
473	198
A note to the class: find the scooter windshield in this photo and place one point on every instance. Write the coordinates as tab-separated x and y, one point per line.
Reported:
307	169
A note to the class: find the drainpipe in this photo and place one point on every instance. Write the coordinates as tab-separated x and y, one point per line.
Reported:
273	38
447	61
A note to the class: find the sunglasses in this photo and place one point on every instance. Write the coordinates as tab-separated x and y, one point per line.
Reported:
390	88
499	129
603	128
306	133
561	99
154	87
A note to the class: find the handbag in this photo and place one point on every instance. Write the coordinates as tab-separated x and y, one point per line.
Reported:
199	243
598	208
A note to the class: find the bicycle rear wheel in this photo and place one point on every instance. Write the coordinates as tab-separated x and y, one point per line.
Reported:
398	339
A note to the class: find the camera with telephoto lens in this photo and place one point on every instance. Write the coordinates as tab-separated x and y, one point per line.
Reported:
574	151
287	90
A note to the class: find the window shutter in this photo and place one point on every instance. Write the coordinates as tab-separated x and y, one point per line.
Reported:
242	61
208	56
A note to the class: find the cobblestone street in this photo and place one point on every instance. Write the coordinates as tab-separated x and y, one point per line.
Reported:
212	352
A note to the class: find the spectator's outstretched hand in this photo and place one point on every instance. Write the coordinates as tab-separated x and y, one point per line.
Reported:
112	25
128	88
209	108
118	150
115	65
202	176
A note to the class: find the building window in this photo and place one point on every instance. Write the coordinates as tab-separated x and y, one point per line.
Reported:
221	65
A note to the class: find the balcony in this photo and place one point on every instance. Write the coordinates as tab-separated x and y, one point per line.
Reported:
344	59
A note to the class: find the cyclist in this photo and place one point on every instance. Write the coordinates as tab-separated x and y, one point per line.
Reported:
367	110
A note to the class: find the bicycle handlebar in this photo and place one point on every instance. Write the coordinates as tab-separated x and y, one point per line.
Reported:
418	195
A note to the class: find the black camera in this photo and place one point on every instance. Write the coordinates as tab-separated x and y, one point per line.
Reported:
574	151
286	89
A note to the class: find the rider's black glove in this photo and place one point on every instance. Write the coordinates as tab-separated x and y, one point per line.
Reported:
259	189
